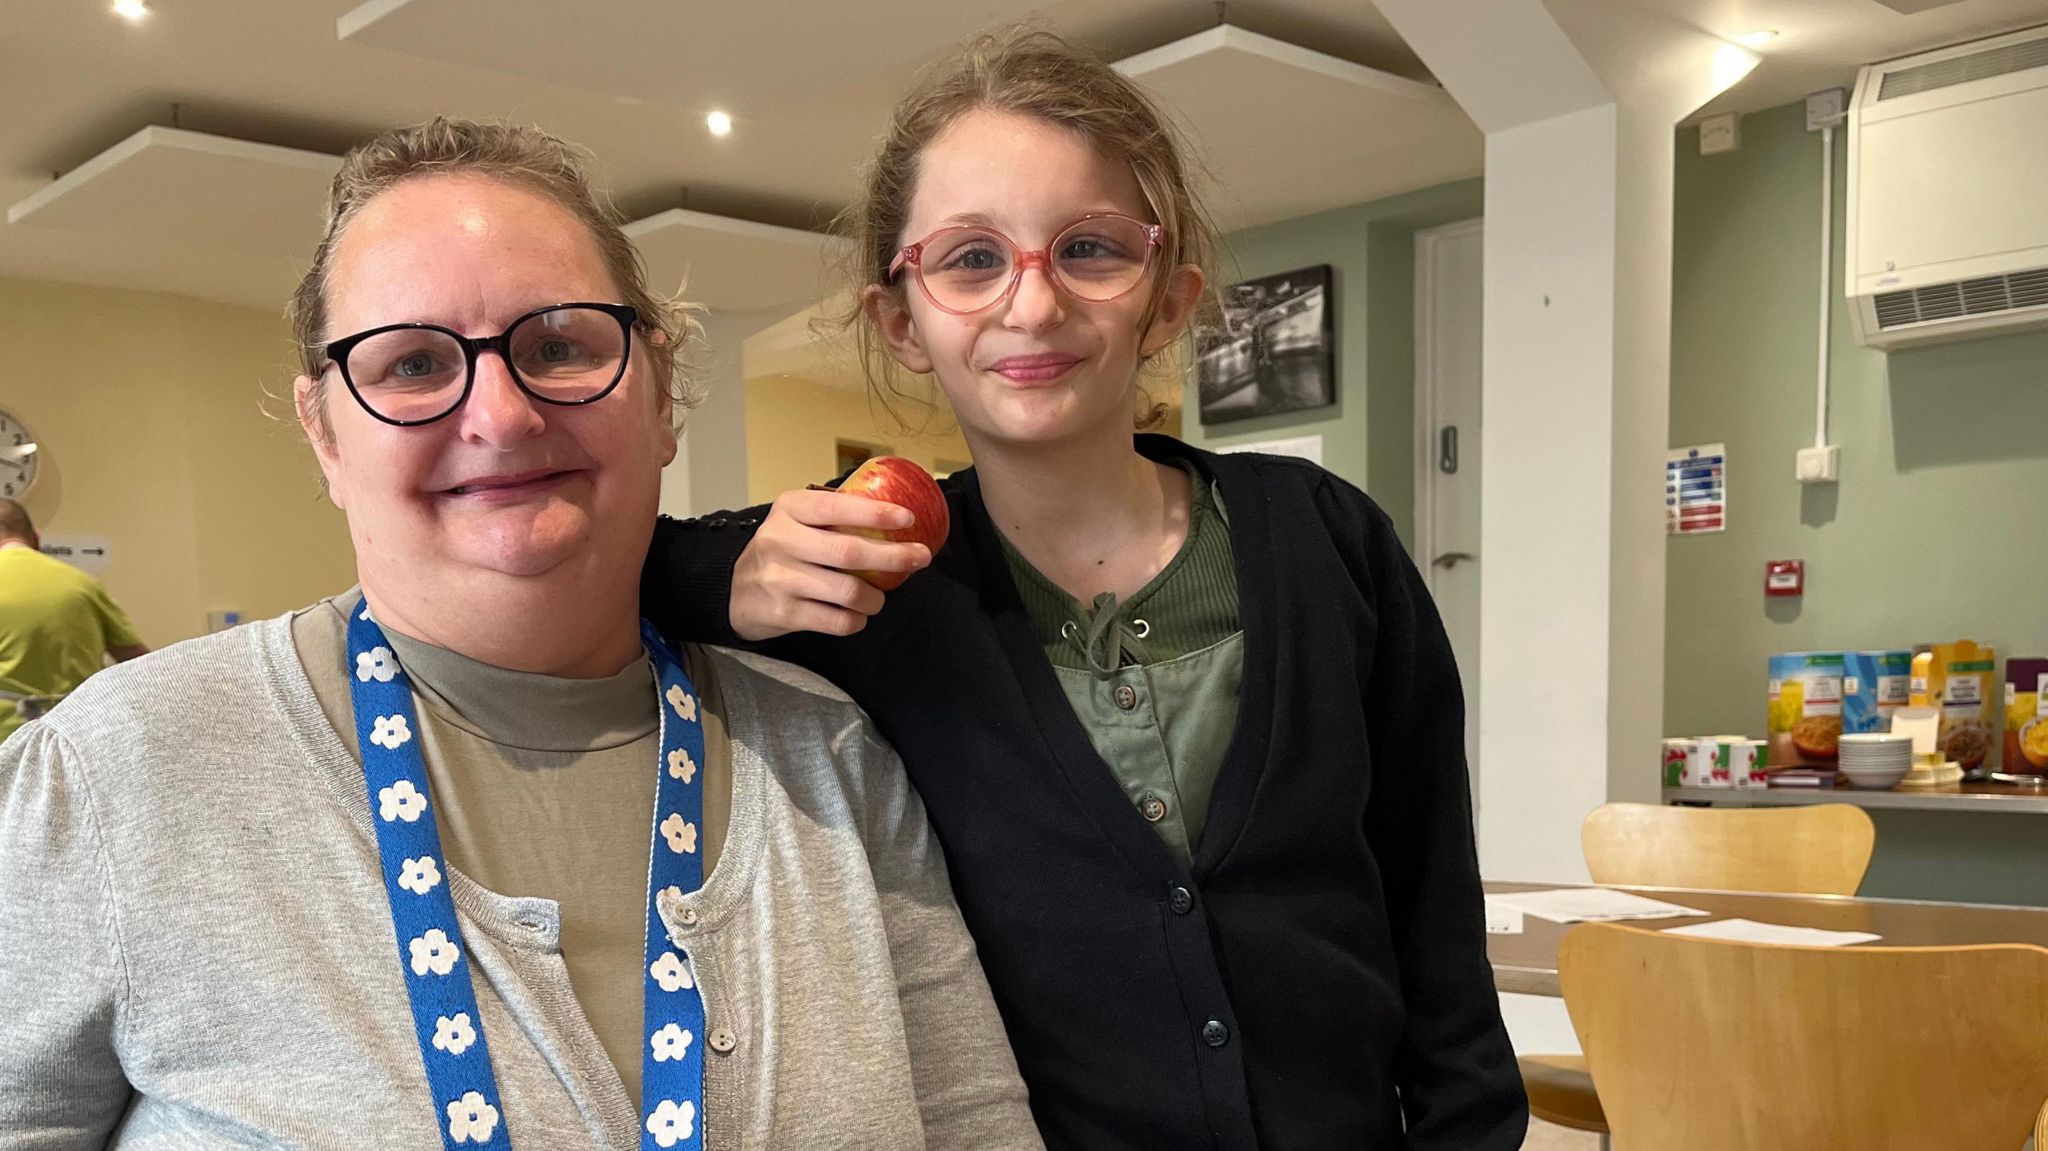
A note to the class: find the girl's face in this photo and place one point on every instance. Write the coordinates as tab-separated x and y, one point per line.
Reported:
1040	367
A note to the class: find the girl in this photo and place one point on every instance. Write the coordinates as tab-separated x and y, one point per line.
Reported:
1187	725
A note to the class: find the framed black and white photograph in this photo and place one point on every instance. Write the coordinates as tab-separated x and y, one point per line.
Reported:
1276	350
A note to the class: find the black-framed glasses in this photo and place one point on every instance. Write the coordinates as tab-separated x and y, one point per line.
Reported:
412	374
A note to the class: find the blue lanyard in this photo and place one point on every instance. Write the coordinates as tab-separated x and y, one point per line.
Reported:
469	1110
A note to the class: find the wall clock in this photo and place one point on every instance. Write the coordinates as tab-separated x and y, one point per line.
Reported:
19	457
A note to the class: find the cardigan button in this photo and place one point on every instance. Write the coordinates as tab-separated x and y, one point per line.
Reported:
1181	900
1152	808
723	1041
1214	1033
1126	696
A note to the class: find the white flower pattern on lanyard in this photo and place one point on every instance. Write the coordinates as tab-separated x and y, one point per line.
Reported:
454	1035
680	833
471	1119
434	952
377	663
420	876
400	801
681	766
684	703
390	731
672	1123
671	973
670	1042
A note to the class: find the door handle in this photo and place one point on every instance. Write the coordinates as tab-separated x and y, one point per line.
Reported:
1452	559
1447	450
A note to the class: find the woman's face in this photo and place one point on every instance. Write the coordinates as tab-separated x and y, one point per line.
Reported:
505	486
1040	367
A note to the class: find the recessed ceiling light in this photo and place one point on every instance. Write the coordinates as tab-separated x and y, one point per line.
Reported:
133	11
719	123
1731	63
1758	38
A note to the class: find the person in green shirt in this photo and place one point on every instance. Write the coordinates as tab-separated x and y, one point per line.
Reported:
57	624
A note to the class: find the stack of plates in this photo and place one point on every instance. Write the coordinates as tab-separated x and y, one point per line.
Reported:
1876	759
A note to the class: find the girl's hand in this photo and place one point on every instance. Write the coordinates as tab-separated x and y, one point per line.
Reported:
796	574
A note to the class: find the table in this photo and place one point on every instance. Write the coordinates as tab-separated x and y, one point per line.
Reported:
1527	963
1989	796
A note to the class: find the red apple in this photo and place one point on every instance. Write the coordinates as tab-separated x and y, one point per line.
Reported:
895	480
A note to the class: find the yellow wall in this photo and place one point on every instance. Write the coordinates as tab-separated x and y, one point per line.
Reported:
149	410
793	425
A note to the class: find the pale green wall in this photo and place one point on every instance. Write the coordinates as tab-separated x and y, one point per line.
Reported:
1934	533
1368	438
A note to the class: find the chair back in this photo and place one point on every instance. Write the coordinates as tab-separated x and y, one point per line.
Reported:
1710	1045
1818	850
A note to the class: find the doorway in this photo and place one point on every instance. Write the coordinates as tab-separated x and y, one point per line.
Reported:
1448	299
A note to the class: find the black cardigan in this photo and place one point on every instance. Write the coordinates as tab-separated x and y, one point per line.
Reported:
1318	978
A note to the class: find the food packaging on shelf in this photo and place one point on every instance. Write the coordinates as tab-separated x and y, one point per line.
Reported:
1805	709
1958	680
2026	723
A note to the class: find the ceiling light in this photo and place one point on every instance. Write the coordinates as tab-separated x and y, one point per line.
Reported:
1731	63
1758	38
133	11
719	123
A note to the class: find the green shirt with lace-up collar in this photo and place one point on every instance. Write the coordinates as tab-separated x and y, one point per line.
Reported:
1153	679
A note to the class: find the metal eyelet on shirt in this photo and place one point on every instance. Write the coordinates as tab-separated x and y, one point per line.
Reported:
1070	630
1140	628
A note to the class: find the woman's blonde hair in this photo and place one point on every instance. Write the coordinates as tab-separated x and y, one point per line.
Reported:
1037	74
523	156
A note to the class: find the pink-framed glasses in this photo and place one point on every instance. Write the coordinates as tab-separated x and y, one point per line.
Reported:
1098	258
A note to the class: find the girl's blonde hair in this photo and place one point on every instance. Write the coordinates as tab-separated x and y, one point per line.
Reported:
523	156
1030	73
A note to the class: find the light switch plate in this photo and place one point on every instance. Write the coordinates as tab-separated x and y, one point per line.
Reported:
1820	465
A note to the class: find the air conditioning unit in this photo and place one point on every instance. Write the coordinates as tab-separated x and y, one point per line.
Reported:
1948	193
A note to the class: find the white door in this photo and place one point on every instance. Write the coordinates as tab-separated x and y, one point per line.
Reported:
1447	349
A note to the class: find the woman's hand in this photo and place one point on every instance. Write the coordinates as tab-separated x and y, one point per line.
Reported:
796	575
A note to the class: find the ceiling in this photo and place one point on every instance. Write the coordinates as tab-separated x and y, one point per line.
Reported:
807	82
1821	43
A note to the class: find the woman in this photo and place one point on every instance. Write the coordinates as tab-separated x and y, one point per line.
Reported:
1188	724
639	911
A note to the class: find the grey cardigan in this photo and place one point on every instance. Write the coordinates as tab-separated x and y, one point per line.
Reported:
196	951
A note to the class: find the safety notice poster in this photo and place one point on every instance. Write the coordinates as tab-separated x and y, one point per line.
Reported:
1696	490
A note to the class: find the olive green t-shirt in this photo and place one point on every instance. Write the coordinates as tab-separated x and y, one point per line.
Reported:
544	788
56	624
1154	679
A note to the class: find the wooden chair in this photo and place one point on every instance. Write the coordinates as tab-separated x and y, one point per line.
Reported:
1818	850
1708	1045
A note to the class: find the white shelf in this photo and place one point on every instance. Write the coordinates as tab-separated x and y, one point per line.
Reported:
2001	798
